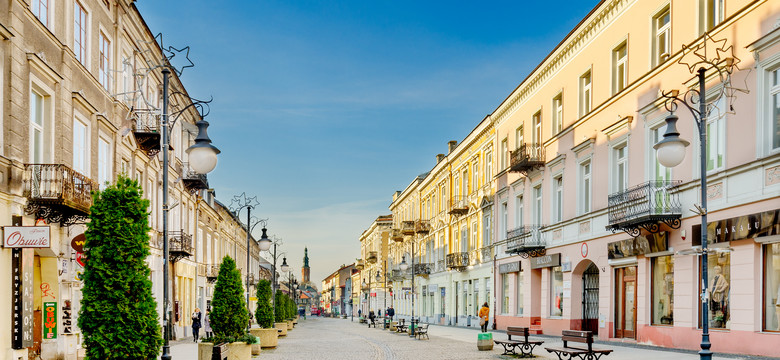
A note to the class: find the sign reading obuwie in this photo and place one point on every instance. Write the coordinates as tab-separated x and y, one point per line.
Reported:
26	237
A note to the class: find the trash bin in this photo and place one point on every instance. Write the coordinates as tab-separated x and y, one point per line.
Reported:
220	352
485	341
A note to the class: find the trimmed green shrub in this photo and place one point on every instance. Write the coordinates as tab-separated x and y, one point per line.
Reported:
279	315
264	312
118	316
229	316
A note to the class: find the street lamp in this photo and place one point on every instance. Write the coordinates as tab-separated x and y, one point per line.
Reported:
202	159
403	267
265	245
670	151
241	202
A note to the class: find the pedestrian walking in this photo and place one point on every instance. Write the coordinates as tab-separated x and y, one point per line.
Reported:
484	312
360	313
207	323
380	313
195	324
390	312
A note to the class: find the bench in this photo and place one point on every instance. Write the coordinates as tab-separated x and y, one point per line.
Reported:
420	331
510	346
401	326
570	352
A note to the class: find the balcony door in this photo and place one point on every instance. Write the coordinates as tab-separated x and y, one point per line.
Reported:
625	302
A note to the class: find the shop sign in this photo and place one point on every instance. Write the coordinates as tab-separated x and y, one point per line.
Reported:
26	237
78	243
640	245
752	226
22	298
442	291
67	318
509	267
50	320
545	261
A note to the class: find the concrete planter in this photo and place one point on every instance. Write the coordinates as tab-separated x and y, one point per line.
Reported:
205	350
281	326
485	341
256	349
239	351
269	338
289	325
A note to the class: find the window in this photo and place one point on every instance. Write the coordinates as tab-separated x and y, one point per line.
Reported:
585	187
105	61
661	173
504	150
619	68
662	25
537	208
487	228
456	193
557	113
558	199
505	293
464	238
80	147
80	32
537	134
38	122
663	290
520	293
488	167
772	287
774	93
475	174
41	10
519	209
556	292
619	168
719	282
104	162
716	135
585	95
465	183
710	14
124	167
474	235
504	219
127	78
519	137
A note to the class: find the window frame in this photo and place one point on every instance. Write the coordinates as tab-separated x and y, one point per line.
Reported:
105	161
615	164
82	120
46	18
661	55
586	92
557	200
620	67
557	113
538	205
585	186
81	38
711	14
104	61
536	121
504	150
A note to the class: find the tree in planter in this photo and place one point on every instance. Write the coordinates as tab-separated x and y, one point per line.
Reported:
264	311
228	309
118	315
279	315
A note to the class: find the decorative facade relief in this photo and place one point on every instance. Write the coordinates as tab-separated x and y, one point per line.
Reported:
773	175
715	191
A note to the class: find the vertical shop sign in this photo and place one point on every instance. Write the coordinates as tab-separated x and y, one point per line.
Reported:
22	298
50	320
67	318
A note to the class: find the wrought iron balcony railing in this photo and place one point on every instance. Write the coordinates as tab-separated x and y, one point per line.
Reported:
396	235
57	193
212	272
193	181
528	240
372	257
458	260
459	205
179	245
486	254
422	269
526	157
407	227
399	275
645	206
359	265
440	266
422	226
146	129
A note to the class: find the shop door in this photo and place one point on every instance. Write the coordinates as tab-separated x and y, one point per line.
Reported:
457	303
625	318
35	351
590	299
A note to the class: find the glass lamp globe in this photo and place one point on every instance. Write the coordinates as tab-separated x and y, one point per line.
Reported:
202	159
670	151
264	243
285	267
403	265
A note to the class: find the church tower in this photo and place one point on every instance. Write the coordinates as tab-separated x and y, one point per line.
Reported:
305	268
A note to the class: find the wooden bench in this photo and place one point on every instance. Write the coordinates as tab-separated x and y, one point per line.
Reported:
420	331
569	352
510	346
401	326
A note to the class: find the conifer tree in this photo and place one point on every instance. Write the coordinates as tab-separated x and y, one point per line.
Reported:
279	315
264	311
229	315
118	316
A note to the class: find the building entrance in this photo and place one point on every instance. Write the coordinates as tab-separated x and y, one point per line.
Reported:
590	299
625	302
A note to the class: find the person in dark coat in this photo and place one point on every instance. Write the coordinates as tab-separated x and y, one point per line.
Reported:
390	312
207	323
195	324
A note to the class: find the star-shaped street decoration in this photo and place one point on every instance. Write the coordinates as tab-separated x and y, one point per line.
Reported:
709	53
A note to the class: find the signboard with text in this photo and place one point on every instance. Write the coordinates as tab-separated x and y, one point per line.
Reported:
545	261
509	267
26	237
50	320
640	245
22	298
752	226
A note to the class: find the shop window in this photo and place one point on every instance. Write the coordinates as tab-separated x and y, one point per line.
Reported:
663	290
772	287
556	292
505	294
719	283
520	293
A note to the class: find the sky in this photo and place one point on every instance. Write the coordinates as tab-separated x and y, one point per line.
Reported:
323	109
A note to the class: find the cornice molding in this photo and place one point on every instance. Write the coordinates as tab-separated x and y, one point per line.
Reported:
587	144
5	32
37	63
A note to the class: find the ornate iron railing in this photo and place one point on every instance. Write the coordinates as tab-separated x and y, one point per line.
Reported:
192	180
399	275
212	272
526	157
407	227
421	269
422	226
396	235
179	245
440	266
645	205
527	240
372	257
457	260
459	205
359	265
58	184
486	254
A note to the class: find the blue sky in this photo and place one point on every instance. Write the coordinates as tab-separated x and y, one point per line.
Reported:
323	109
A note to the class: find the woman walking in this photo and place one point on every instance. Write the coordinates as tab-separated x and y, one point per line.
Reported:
207	323
484	312
195	324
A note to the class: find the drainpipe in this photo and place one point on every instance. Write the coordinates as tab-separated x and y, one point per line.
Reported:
494	291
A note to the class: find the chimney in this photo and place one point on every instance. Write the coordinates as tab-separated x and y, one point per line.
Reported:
451	145
439	158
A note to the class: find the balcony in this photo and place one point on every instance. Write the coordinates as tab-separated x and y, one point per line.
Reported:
396	235
146	129
359	264
526	241
440	266
407	227
371	258
526	158
57	193
422	269
645	206
422	226
458	261
193	181
459	206
212	271
486	254
179	245
399	275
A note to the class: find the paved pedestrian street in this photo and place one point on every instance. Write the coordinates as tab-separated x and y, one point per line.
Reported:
332	338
